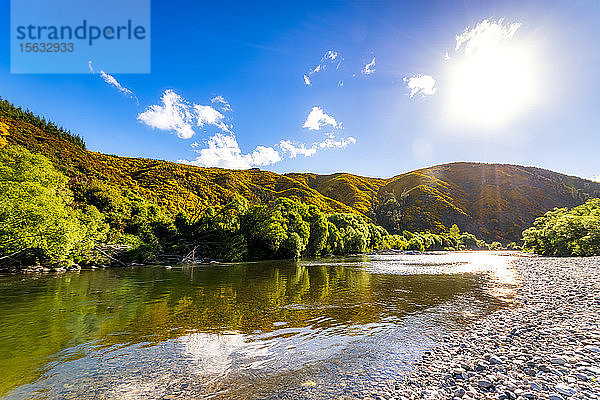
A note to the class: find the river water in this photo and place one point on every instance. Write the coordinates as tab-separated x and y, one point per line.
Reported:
327	328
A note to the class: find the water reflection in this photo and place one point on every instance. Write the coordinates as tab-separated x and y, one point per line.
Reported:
200	330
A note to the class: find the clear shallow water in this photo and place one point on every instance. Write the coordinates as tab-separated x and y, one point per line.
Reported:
277	329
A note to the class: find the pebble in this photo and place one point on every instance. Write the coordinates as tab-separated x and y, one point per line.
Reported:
483	383
546	345
558	360
564	389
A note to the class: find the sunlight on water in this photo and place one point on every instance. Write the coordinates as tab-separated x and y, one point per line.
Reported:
497	265
314	329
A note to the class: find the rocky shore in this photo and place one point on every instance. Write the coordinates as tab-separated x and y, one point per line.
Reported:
546	346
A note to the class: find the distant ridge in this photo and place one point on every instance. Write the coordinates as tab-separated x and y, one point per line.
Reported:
493	201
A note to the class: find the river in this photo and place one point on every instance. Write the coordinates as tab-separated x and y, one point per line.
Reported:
322	328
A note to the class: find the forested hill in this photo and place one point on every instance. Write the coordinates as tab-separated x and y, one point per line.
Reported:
493	201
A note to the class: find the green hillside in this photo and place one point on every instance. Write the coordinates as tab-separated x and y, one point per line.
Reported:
493	201
355	191
175	186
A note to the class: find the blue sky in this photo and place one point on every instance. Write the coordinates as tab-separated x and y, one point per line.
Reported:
238	71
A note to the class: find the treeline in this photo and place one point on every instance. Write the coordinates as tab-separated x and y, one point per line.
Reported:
566	232
44	221
8	110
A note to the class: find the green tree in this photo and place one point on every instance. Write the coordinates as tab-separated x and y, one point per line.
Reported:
38	220
566	232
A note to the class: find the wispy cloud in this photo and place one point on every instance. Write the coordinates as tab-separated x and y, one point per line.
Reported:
492	75
369	68
331	143
177	115
293	150
486	35
296	149
111	80
331	57
221	103
317	119
421	84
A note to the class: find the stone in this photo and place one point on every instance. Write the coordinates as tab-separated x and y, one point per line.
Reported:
496	360
484	383
565	390
535	386
558	360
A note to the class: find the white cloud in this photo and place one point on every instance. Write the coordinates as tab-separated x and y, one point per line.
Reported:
223	151
178	115
317	119
111	80
263	156
221	103
294	150
421	84
493	74
595	179
487	34
175	114
330	57
206	115
369	68
331	143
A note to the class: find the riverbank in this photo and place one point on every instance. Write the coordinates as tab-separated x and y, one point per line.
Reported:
546	346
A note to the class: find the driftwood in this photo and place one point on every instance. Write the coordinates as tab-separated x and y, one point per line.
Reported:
99	250
190	256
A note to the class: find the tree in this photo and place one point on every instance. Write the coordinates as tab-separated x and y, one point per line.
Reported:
317	241
38	220
566	232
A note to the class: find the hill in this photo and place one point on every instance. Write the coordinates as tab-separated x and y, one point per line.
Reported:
173	186
358	192
492	201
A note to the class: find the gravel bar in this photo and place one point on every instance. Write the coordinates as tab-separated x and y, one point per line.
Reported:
545	346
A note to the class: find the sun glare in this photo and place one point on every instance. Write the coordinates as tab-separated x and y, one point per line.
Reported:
491	83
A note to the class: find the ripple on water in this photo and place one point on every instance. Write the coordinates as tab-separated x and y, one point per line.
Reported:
317	329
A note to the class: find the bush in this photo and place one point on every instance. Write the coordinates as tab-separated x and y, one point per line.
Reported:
566	232
37	213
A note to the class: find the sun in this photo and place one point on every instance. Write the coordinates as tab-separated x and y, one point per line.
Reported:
492	79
